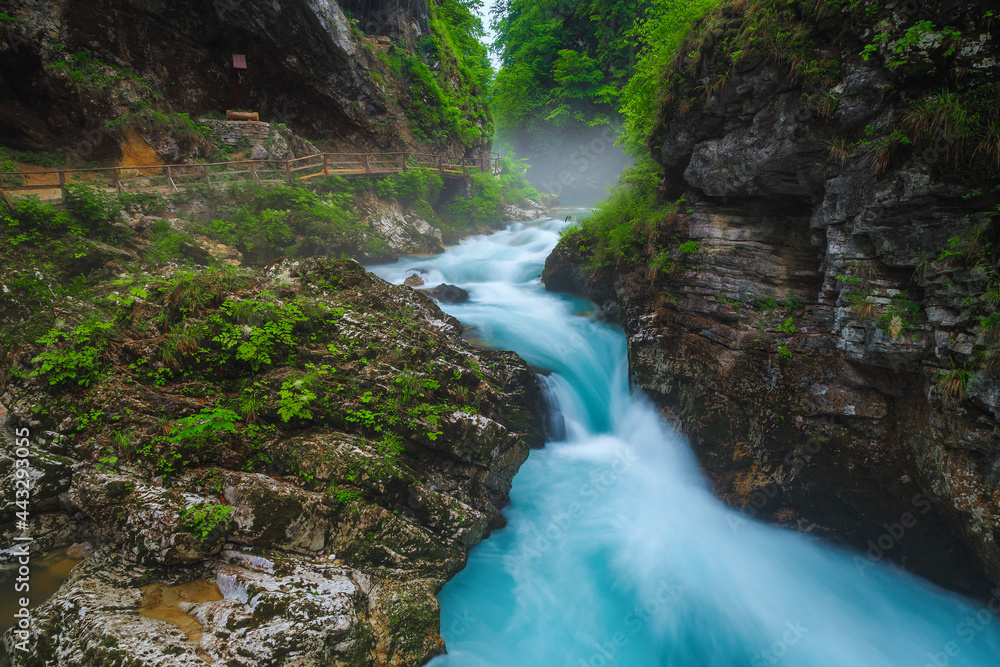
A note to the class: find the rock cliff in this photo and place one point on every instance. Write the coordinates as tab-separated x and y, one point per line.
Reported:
819	311
76	75
274	467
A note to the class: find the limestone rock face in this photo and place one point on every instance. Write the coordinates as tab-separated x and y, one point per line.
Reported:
308	68
447	294
808	338
374	448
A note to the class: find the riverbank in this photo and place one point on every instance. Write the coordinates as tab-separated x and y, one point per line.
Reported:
305	441
615	549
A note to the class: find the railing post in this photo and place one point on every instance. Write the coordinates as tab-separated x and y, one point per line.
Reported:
441	164
6	200
62	185
253	172
170	179
288	172
326	165
404	162
464	170
208	179
368	167
118	180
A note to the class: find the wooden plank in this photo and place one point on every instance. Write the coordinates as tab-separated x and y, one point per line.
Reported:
7	202
170	179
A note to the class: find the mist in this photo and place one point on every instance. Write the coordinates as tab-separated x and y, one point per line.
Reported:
578	167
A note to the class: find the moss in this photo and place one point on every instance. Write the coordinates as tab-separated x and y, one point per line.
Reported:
623	226
273	514
118	489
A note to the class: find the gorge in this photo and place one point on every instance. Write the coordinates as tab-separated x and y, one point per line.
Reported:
616	552
753	393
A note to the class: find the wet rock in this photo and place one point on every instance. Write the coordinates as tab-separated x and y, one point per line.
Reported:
415	280
148	521
80	550
328	538
405	231
447	294
789	385
564	271
259	153
195	253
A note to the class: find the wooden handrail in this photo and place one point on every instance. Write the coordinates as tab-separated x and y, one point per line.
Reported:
358	164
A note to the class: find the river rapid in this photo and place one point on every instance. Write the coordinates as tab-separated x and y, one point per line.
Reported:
616	552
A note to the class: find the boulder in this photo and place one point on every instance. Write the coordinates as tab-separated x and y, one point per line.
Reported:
447	294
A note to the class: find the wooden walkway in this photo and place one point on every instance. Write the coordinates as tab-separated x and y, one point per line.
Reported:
174	178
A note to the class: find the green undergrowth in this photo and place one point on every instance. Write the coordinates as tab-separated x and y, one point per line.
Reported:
262	362
88	213
265	223
622	228
489	194
447	78
148	109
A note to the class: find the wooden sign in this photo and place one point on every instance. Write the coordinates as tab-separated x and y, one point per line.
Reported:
239	61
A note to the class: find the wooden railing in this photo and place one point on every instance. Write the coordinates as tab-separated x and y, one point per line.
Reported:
172	178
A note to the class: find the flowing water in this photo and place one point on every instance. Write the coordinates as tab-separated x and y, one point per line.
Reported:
616	553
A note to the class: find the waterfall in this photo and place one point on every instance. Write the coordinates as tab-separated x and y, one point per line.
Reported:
616	552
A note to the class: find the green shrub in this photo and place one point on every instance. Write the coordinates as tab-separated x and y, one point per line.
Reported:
11	179
297	393
623	223
421	188
204	429
73	358
268	223
787	327
93	209
205	518
514	186
37	220
484	206
690	247
253	332
386	187
165	243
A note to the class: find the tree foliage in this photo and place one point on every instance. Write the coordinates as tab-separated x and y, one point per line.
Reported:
564	63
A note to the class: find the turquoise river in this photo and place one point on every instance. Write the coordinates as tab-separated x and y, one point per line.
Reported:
616	552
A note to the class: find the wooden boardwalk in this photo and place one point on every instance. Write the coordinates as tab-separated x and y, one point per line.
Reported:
174	178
